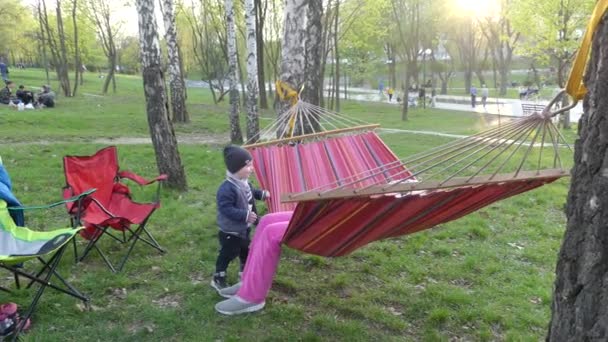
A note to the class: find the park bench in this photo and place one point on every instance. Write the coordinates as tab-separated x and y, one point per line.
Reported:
531	108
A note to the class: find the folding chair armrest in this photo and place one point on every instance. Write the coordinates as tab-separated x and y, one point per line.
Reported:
52	205
139	179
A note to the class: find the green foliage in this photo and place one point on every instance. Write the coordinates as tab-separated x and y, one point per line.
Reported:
551	30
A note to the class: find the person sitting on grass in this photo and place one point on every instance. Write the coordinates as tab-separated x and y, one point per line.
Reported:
6	94
249	295
47	97
24	95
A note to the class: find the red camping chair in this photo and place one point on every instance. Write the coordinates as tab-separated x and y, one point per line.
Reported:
110	207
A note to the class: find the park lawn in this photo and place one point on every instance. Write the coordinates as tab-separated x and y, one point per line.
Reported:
487	276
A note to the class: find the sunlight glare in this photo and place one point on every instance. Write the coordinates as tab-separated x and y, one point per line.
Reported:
478	8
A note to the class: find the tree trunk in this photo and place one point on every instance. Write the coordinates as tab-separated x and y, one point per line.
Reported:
253	123
161	130
110	75
236	136
405	108
176	81
337	57
293	62
41	42
64	78
313	52
260	18
77	62
580	299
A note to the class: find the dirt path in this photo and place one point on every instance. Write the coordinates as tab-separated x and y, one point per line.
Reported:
188	139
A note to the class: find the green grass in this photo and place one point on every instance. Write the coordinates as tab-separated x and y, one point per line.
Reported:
485	277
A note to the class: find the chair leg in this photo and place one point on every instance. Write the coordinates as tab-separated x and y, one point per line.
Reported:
105	259
92	243
51	265
136	236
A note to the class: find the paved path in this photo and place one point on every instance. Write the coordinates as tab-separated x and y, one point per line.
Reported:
494	106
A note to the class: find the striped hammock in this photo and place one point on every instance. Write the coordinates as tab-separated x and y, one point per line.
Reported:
349	189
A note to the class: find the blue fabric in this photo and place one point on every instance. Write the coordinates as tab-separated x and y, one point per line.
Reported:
6	194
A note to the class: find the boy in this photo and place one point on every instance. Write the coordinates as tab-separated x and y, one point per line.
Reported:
236	212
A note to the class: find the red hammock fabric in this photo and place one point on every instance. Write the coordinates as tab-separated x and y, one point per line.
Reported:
336	227
306	166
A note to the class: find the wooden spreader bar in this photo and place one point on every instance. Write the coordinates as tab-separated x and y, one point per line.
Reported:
405	187
313	135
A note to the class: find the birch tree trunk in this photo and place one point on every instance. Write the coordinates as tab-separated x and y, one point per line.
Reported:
176	81
64	78
253	125
314	50
236	136
260	19
293	63
337	57
580	298
77	62
161	130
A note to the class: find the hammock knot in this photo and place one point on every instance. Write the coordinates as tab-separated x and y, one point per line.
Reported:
286	92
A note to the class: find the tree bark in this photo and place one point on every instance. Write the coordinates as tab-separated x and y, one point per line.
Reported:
161	130
77	62
580	299
64	78
260	19
253	124
176	81
236	136
337	57
313	53
293	63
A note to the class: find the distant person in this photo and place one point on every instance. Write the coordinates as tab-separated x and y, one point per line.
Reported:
46	98
473	96
24	95
390	93
3	71
523	92
433	97
381	87
422	96
6	94
484	95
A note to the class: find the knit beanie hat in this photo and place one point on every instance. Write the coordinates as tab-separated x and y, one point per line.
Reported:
236	158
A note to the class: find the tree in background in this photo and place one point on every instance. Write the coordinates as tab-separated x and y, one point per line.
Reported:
552	29
100	14
292	47
209	46
236	136
261	11
313	53
253	124
176	80
406	15
502	39
55	39
580	297
78	79
161	130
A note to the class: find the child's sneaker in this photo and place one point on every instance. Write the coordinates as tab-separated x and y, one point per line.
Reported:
219	281
236	305
228	292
